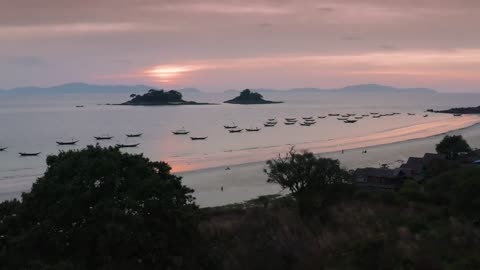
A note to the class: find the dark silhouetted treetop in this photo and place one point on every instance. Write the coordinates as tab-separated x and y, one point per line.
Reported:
99	208
160	97
452	146
249	97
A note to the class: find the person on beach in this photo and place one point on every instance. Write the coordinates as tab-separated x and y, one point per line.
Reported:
221	188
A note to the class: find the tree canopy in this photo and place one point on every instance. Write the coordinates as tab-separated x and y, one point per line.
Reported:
98	208
157	97
452	146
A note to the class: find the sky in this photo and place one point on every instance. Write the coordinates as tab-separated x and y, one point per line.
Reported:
216	45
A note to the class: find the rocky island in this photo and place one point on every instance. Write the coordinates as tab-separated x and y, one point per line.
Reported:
465	110
160	97
249	97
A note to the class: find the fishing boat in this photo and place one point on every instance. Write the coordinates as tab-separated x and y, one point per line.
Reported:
322	116
350	121
359	117
333	114
411	114
269	125
103	138
345	115
79	106
3	149
376	116
290	119
198	138
252	129
457	114
126	145
272	119
23	154
290	123
230	126
365	115
374	113
72	142
351	114
134	135
235	130
307	118
306	124
180	132
342	118
426	115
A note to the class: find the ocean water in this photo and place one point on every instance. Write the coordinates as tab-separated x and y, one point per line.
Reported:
34	124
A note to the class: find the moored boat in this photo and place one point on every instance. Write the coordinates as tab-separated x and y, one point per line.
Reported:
342	118
180	132
322	116
134	135
198	138
253	129
23	154
333	114
230	126
67	143
269	125
350	121
119	145
457	114
411	114
307	118
3	149
103	137
235	130
290	123
306	124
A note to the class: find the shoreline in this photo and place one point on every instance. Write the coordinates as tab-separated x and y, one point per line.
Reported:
261	154
247	181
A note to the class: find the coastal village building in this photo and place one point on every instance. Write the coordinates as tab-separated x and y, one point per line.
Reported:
385	178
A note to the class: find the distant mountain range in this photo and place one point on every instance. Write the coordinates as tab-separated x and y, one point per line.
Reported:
83	88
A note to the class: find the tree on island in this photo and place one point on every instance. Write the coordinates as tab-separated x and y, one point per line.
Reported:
98	208
452	146
249	97
309	179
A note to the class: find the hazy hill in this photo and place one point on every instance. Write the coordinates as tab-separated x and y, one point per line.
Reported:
83	88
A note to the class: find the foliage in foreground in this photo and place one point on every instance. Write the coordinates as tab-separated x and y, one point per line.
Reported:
452	146
100	209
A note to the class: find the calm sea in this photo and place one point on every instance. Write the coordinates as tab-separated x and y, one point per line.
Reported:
34	124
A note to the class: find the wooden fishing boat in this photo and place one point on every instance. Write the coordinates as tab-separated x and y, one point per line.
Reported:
134	135
68	143
252	129
290	119
426	115
307	118
457	114
411	114
333	114
3	149
305	124
322	116
376	116
235	130
79	106
23	154
180	132
103	138
272	119
230	126
127	145
198	138
359	117
342	118
269	125
290	123
350	121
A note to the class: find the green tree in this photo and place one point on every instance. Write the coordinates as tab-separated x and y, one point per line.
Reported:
451	146
308	178
98	208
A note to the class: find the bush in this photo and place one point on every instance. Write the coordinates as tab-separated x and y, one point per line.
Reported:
452	146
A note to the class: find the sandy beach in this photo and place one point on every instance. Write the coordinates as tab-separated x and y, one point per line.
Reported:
246	180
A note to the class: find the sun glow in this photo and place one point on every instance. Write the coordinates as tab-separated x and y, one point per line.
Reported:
169	73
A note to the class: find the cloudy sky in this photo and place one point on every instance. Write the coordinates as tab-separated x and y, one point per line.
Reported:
223	44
